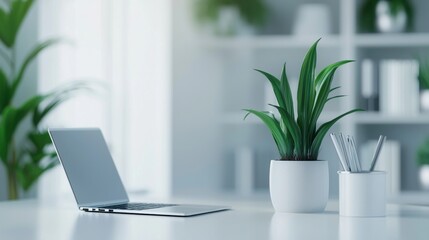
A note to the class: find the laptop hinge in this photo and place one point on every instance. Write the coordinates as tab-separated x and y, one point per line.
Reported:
103	204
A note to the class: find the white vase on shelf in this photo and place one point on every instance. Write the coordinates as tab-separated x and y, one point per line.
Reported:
305	24
424	100
387	22
230	23
424	176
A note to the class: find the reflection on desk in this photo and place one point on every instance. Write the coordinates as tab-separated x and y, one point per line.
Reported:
33	220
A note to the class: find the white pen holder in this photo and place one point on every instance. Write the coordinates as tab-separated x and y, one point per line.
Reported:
362	194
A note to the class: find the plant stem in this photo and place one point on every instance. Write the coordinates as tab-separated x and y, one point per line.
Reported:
13	186
12	180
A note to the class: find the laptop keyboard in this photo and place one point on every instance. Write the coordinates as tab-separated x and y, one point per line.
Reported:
139	206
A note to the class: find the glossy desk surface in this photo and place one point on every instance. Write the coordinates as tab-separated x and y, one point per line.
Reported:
31	219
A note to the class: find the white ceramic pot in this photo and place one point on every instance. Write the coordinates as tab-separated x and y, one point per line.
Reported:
424	176
424	100
299	186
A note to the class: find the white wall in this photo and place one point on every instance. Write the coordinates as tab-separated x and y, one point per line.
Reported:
125	45
196	104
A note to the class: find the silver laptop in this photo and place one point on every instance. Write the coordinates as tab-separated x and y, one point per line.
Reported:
95	181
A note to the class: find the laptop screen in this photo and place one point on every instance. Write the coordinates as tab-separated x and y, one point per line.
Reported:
89	166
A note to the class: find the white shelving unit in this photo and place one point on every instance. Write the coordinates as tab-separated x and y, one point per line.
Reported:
392	40
376	118
228	63
271	41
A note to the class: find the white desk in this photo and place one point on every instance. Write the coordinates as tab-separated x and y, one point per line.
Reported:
252	220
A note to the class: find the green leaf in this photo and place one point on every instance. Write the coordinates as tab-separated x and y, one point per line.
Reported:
286	145
40	113
30	57
334	97
333	89
39	139
5	28
323	129
306	92
18	12
7	123
323	85
292	128
10	120
4	91
29	106
287	93
424	73
276	85
29	173
57	97
321	77
274	128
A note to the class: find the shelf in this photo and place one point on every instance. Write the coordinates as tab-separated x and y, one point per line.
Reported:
392	40
237	118
377	118
269	41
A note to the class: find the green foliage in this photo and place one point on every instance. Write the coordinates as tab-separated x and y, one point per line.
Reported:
423	153
368	17
252	11
27	162
424	73
298	138
11	21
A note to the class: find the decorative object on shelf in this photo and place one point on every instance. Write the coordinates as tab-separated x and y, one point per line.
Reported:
389	161
305	25
424	84
25	161
423	162
386	16
231	17
299	182
369	90
399	88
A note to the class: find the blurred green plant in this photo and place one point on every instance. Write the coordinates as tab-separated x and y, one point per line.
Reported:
368	13
26	162
254	12
423	153
424	73
299	138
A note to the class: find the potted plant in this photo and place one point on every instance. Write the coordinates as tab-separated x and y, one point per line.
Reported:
424	84
230	17
423	162
386	16
299	181
24	161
